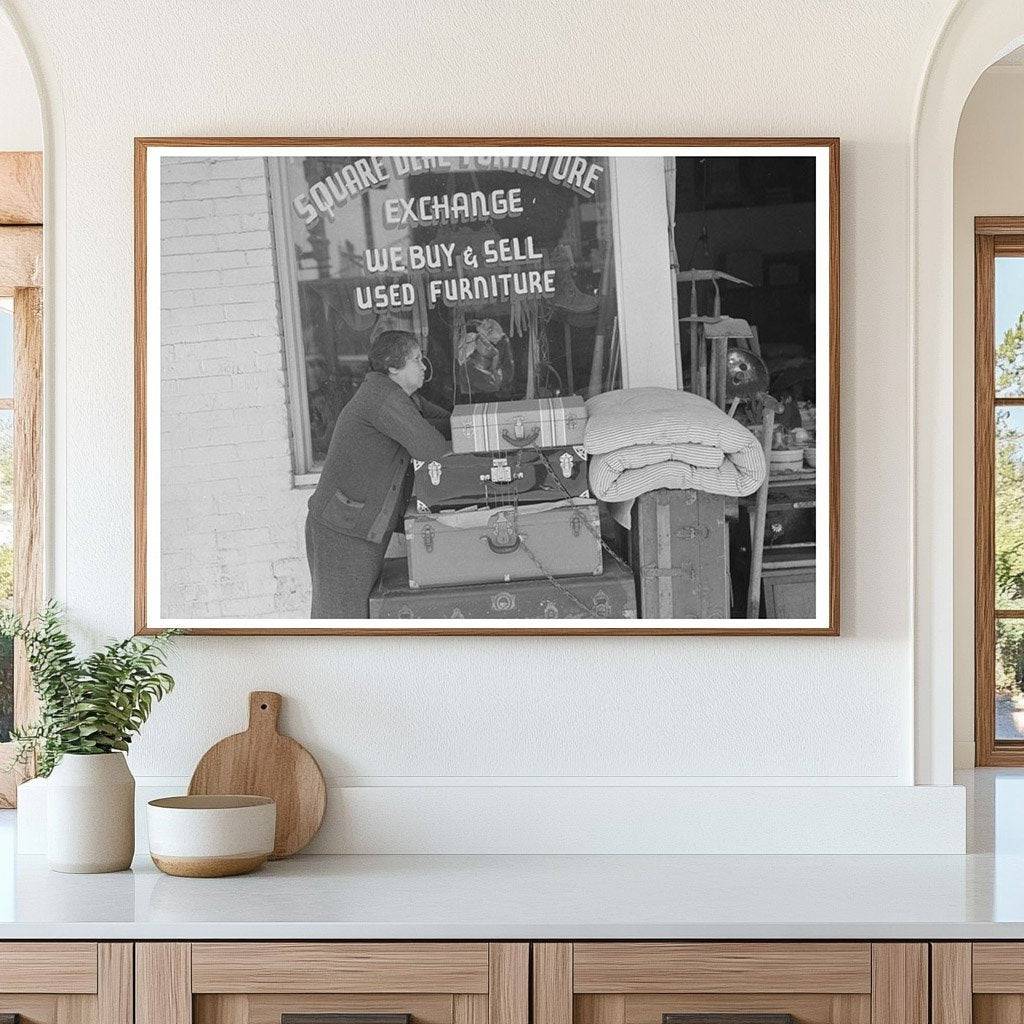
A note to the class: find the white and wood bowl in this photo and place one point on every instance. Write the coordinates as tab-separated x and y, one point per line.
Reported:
211	836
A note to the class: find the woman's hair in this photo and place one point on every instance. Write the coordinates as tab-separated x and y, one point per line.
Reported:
391	350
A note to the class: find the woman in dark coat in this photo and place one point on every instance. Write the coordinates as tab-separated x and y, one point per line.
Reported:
363	485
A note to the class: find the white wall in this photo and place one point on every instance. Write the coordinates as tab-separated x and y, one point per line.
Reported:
21	125
443	713
988	181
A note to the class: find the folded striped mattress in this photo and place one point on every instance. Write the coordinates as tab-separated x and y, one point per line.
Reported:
643	439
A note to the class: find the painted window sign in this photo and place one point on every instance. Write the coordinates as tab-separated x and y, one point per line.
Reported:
449	247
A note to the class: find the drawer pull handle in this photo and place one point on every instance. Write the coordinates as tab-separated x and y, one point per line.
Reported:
342	1018
727	1018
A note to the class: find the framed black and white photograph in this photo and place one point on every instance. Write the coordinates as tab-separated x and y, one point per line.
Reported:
488	386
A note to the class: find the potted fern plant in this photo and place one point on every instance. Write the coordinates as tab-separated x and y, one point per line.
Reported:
89	710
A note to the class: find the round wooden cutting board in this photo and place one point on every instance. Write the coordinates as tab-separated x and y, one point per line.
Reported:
262	762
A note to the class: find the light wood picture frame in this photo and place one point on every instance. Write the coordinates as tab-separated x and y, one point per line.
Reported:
634	239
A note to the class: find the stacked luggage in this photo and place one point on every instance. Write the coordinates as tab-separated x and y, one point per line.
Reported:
679	549
505	527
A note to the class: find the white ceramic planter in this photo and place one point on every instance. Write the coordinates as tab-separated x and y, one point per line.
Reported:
90	814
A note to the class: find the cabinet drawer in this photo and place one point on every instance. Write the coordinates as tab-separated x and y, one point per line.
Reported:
66	982
271	1009
260	982
340	967
48	967
812	982
998	967
629	967
980	982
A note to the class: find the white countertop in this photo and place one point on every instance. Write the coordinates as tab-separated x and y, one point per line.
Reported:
532	897
977	896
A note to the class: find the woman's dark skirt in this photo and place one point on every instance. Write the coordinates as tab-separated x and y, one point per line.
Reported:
343	570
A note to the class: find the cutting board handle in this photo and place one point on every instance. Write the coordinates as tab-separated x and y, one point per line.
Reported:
264	710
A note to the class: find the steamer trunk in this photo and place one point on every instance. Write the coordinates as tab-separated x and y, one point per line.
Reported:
679	551
503	544
612	595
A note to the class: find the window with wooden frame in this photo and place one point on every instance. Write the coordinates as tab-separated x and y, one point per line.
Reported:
999	490
21	350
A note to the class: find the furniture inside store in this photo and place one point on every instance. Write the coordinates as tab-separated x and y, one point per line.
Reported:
746	314
725	364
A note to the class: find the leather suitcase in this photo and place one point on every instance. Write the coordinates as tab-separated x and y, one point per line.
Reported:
612	595
531	423
492	479
502	544
679	551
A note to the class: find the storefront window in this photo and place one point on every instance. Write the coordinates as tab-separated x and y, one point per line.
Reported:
503	267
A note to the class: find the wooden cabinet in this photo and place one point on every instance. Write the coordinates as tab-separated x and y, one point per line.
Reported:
816	982
66	982
789	586
977	982
493	983
258	982
980	982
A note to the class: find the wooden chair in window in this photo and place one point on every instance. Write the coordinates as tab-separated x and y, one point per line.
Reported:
710	337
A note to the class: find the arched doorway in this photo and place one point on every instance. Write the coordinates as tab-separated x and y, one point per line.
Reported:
976	34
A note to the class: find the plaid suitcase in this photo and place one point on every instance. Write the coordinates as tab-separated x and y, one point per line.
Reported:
503	544
679	551
532	423
478	479
612	595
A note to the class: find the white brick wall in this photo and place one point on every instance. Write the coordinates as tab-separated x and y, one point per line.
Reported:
232	542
